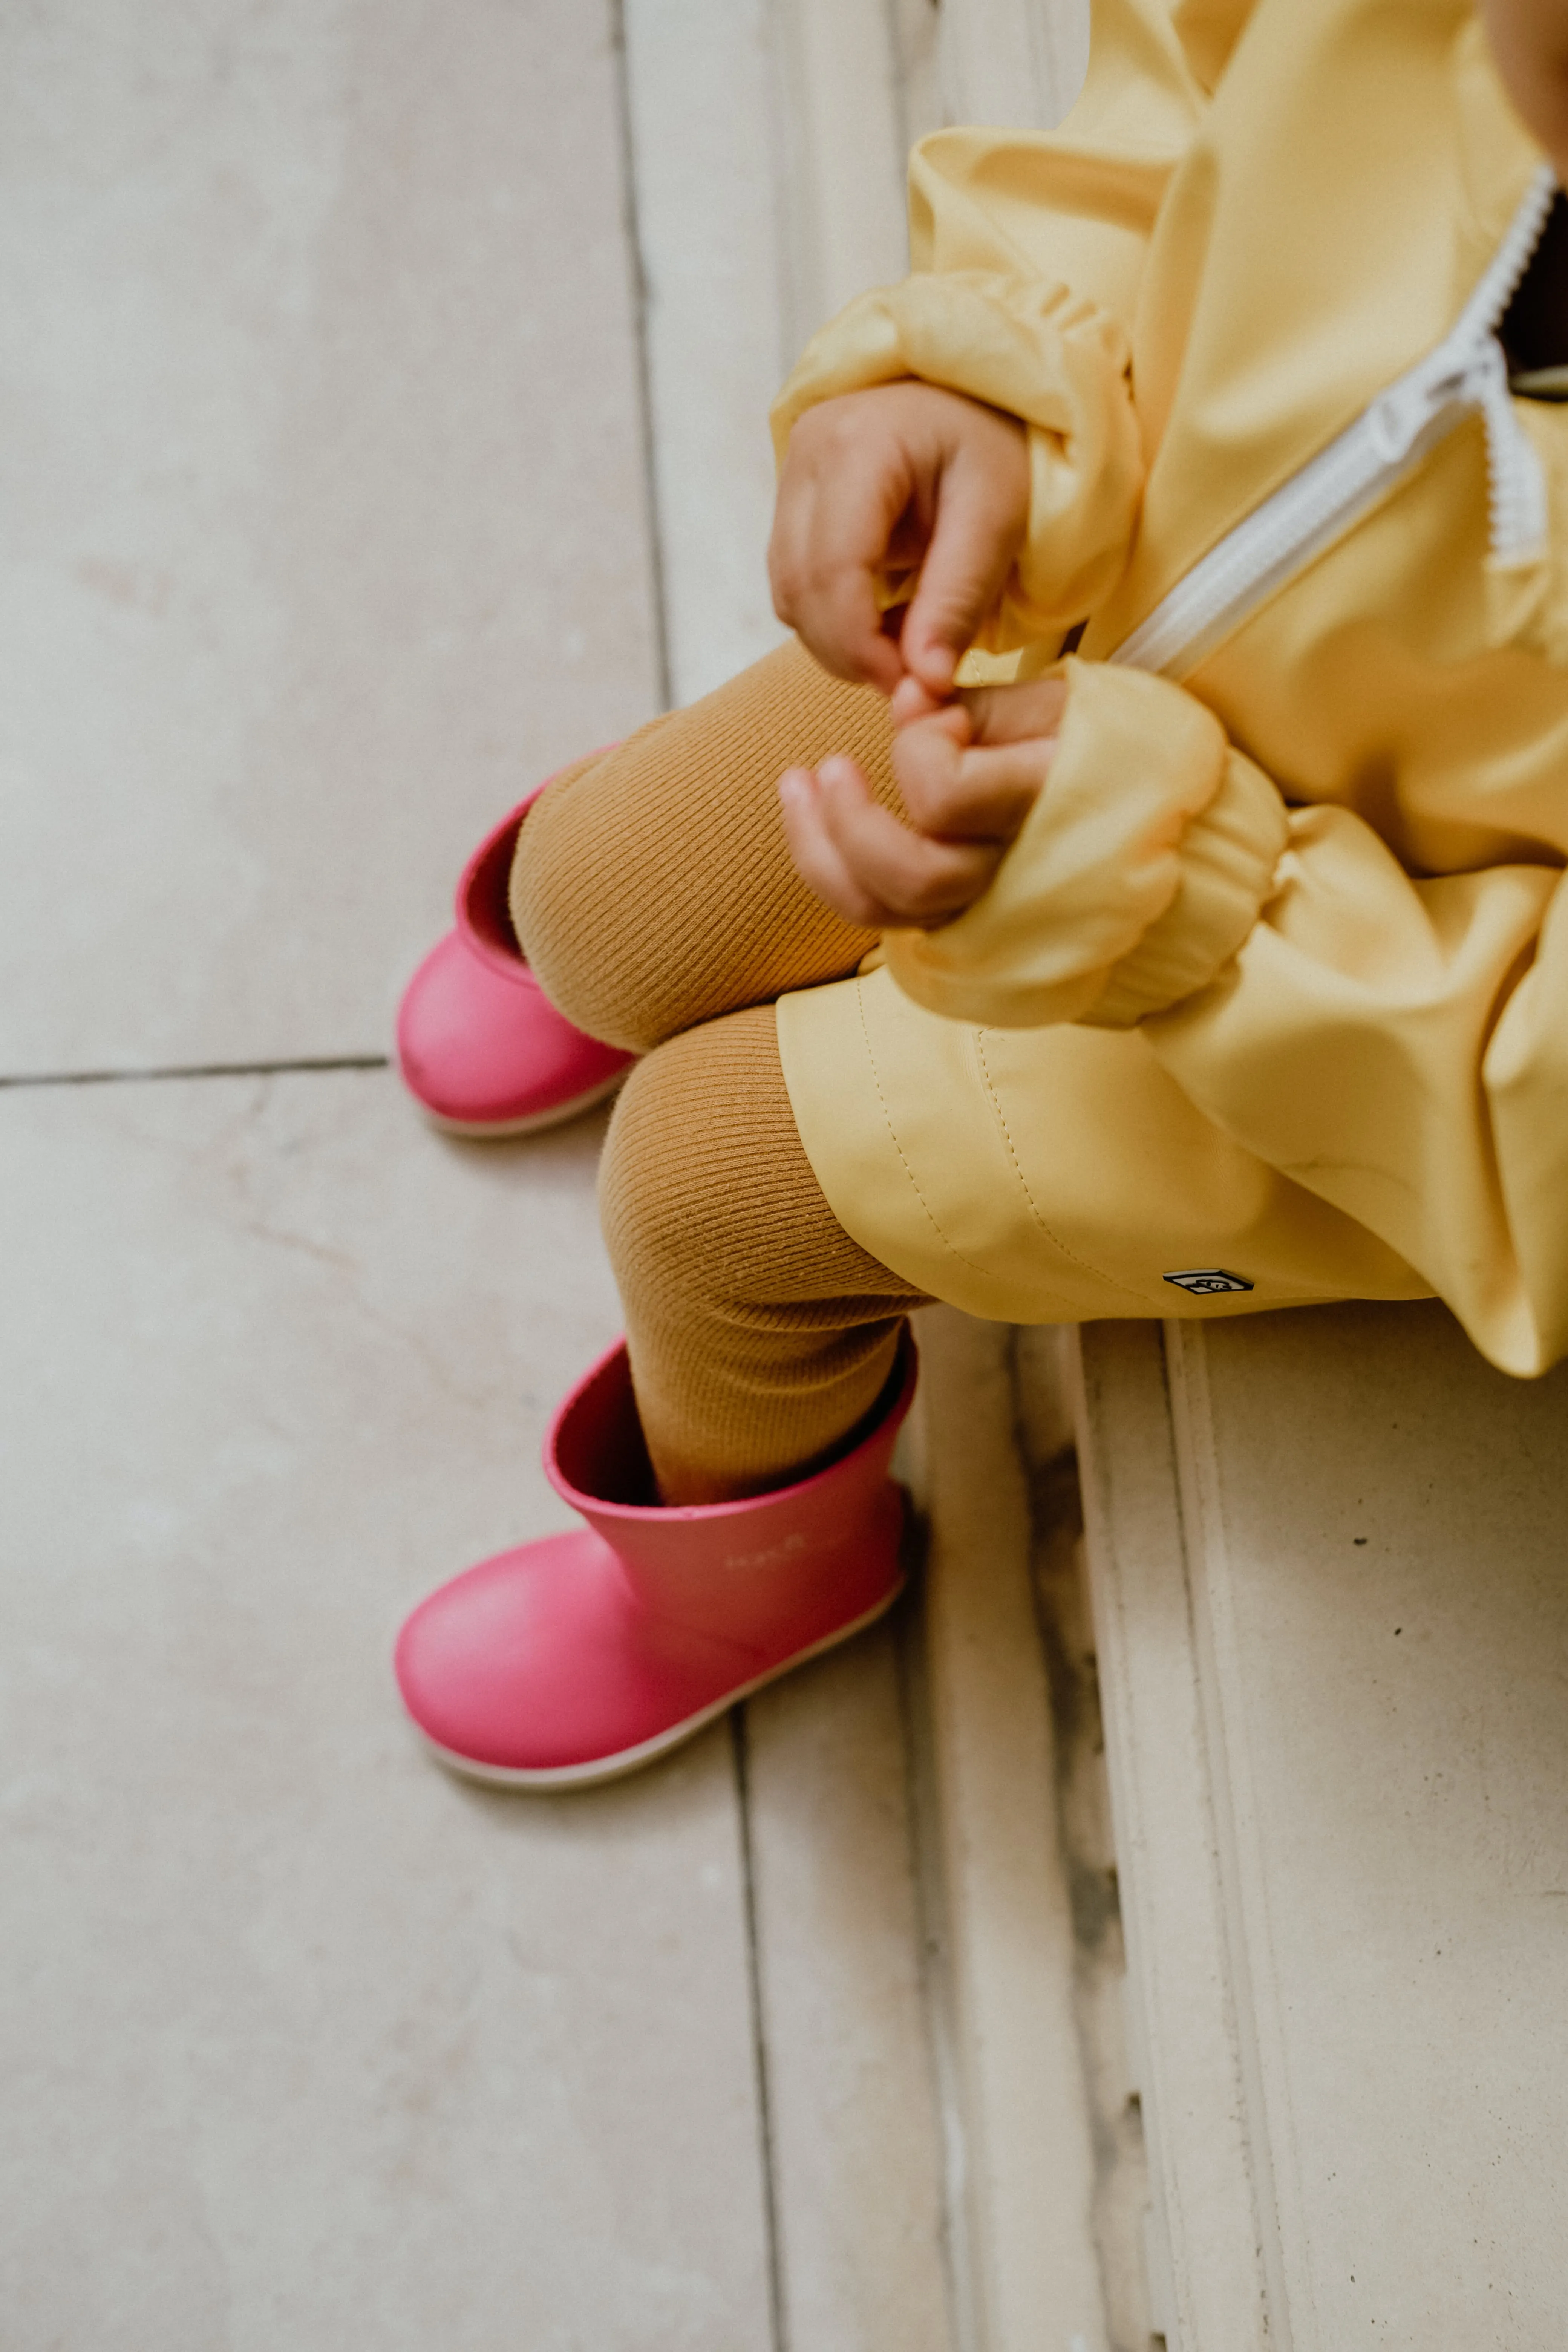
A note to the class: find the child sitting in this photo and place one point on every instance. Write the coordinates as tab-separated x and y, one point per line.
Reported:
1218	964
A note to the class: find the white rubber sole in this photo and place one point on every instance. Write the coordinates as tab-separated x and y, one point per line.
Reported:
479	1131
648	1752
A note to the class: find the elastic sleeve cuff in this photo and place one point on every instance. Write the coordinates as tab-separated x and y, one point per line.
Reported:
1228	857
1036	351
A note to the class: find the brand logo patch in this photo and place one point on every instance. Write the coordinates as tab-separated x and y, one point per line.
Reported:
794	1543
1203	1281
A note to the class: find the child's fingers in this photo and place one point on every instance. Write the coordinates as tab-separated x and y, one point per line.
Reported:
864	864
840	621
1011	714
967	793
980	513
906	875
824	570
910	703
815	856
840	496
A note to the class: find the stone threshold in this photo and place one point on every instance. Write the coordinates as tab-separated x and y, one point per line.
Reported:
1046	2178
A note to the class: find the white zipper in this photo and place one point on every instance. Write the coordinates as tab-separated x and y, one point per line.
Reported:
1466	373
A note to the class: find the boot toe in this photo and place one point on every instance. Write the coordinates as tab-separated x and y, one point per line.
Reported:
485	1050
540	1664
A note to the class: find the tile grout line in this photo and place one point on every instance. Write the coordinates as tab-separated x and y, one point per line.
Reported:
632	227
162	1073
1053	1665
933	1955
777	2329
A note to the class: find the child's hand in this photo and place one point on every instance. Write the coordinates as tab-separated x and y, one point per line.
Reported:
901	476
969	772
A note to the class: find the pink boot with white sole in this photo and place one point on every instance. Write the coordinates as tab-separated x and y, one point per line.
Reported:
580	1656
480	1044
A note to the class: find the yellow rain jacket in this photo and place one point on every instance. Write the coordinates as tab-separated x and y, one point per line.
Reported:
1273	985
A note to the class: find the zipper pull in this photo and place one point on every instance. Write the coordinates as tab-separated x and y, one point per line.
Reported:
1411	415
1400	418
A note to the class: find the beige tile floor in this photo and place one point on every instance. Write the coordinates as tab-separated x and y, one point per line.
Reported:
313	2046
322	498
325	530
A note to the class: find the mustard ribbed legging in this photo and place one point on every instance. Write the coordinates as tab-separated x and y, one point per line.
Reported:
654	896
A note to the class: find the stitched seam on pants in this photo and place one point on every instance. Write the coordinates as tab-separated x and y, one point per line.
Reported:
1073	1255
897	1147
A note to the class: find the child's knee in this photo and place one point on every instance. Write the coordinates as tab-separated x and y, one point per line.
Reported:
564	895
701	1134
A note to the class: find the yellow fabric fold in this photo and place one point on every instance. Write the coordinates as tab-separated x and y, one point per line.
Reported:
1226	868
1348	1045
1139	870
1048	1175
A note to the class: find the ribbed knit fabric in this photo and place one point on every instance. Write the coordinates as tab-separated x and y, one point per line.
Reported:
652	888
760	1334
652	894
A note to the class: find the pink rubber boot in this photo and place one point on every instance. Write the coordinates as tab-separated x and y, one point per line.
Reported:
480	1044
580	1656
